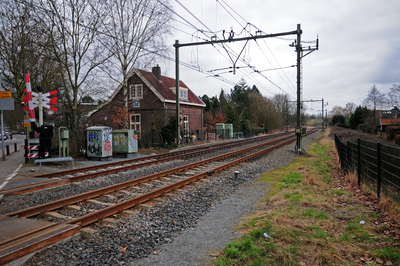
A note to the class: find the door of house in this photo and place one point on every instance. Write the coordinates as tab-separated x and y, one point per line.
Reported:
186	126
135	123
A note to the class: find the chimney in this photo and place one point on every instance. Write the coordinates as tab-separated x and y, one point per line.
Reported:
156	72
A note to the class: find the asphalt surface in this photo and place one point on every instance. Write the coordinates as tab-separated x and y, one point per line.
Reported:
14	172
13	162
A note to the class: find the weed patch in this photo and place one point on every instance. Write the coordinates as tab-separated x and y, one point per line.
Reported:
313	218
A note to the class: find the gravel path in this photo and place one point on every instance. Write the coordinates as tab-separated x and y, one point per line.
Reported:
183	229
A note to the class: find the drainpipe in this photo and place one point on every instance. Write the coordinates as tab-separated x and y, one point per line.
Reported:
202	121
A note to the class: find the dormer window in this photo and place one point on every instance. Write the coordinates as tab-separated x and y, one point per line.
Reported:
136	91
183	93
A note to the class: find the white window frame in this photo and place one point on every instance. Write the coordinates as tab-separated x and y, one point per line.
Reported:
136	125
183	93
136	91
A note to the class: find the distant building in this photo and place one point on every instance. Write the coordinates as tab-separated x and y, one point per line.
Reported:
151	105
393	113
386	122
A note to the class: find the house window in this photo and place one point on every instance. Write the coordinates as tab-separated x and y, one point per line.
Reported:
135	123
136	91
183	93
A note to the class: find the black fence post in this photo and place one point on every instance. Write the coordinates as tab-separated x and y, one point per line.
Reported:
15	147
7	149
26	151
348	157
359	161
378	158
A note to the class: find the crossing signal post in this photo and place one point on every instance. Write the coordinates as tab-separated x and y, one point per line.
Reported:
40	99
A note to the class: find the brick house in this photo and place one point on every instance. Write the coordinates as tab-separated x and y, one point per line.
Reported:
151	104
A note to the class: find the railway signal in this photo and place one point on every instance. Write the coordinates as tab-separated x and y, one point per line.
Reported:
40	100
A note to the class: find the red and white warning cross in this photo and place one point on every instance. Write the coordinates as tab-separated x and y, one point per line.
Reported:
32	99
45	100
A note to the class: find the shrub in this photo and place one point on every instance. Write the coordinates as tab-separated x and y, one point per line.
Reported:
343	125
397	139
389	133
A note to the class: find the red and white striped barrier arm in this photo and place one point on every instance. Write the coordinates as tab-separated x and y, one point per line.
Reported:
29	96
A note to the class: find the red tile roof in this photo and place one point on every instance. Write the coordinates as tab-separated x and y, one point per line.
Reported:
164	85
390	122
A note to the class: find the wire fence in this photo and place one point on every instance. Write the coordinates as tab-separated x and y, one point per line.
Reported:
377	165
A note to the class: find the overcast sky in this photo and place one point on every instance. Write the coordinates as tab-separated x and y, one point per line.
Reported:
359	46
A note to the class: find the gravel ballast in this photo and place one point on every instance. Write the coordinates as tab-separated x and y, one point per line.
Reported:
185	228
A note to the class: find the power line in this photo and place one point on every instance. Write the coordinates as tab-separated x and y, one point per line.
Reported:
219	44
113	37
244	28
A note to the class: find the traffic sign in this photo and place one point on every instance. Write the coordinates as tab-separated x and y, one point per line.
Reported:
27	123
5	95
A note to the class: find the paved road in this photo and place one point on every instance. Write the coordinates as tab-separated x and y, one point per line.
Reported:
12	163
19	139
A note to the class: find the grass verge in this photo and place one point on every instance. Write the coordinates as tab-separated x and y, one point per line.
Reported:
313	215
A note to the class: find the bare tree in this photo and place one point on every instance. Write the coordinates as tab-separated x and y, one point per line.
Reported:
21	40
394	95
134	29
349	108
264	112
337	110
72	30
375	99
281	102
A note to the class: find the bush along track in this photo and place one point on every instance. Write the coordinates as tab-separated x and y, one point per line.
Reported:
316	216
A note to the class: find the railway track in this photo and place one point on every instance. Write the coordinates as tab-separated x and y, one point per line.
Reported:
119	197
78	174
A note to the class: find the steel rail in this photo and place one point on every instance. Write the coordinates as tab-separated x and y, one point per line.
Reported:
91	218
157	156
147	161
101	214
95	193
34	187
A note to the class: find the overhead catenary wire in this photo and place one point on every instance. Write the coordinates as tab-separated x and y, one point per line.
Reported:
187	65
203	32
248	23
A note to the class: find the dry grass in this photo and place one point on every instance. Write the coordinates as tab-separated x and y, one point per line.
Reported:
313	215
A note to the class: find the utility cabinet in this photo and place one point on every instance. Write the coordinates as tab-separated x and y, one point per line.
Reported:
124	142
63	142
220	128
229	131
99	142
